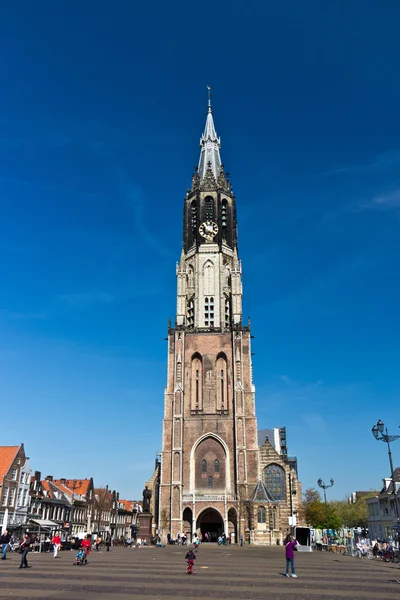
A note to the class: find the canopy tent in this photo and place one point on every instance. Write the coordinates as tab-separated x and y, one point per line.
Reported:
45	524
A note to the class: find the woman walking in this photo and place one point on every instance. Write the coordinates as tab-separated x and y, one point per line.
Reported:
290	543
56	541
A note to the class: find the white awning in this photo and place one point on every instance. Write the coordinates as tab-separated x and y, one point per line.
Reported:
44	524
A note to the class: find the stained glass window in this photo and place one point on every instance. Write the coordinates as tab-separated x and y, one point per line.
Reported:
261	515
274	479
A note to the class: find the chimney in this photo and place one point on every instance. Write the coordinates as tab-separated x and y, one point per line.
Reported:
37	476
63	481
49	478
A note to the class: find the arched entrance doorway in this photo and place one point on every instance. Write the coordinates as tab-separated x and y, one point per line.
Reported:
232	525
211	522
187	523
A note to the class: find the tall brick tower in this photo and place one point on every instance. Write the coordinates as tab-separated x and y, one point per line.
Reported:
209	460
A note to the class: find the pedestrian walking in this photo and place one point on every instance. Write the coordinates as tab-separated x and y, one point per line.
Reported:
86	544
56	541
190	558
4	541
241	539
290	544
108	542
26	546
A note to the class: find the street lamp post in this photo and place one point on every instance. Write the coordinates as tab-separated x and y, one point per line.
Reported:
292	492
325	486
377	432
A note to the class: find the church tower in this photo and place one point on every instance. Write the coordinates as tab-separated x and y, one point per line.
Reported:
209	461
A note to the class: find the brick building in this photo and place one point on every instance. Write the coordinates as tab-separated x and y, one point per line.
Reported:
67	503
213	476
15	475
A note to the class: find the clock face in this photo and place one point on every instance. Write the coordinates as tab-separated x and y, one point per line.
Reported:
208	230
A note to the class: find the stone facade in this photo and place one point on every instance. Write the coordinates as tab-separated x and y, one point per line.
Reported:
211	463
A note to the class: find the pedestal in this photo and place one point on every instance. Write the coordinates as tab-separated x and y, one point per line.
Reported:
145	522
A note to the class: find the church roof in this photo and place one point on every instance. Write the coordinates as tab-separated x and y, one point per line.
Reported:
261	494
210	144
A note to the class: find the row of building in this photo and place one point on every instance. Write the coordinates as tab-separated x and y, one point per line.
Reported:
73	506
384	510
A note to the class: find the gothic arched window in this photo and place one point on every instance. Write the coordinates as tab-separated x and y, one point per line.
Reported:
209	311
274	479
261	515
210	483
224	217
209	208
194	216
227	312
190	313
197	383
216	466
204	466
222	383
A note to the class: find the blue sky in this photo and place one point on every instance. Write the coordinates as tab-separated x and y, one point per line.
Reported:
101	111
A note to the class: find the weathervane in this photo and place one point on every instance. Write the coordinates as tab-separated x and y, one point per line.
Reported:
209	96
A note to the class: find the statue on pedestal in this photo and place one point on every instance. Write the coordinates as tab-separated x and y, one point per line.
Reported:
146	499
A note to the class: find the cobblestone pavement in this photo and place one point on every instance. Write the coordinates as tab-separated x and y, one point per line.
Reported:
228	572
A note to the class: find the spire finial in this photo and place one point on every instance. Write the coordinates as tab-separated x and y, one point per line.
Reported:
209	98
209	144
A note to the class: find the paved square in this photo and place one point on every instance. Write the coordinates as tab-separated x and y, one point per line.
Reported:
221	572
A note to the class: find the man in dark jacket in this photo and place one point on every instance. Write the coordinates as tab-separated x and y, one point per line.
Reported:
4	541
25	547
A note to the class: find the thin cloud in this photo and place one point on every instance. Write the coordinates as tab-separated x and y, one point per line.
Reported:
28	316
286	379
135	199
86	298
381	162
389	201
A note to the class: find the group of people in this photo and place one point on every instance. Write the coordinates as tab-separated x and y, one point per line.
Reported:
7	543
290	543
381	549
179	539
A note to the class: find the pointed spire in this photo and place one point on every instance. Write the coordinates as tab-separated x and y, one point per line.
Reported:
210	144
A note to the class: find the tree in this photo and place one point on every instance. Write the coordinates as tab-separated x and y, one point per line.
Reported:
311	495
101	506
164	520
353	514
315	514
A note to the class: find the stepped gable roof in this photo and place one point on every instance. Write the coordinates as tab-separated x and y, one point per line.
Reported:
7	456
79	487
261	494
